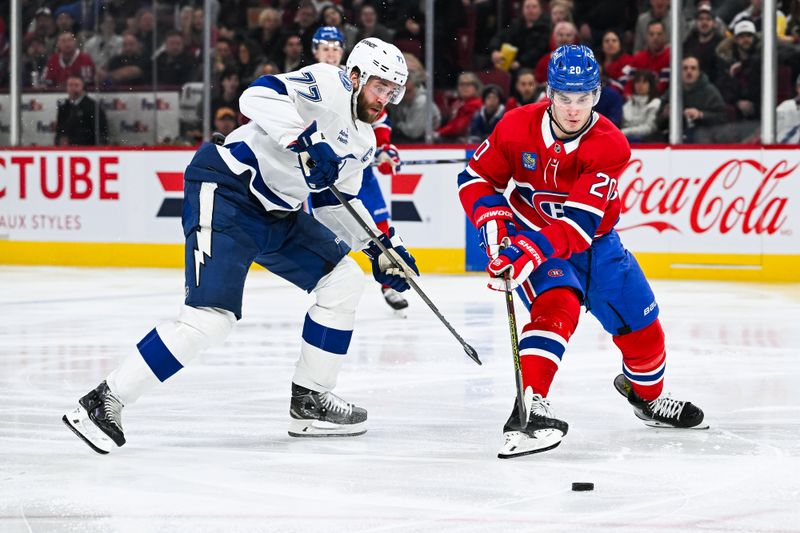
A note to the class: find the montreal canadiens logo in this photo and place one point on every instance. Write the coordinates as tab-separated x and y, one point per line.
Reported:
550	205
555	272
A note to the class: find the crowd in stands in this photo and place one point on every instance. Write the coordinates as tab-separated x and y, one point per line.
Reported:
480	72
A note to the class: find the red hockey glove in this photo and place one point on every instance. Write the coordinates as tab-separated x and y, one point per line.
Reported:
388	159
495	222
520	260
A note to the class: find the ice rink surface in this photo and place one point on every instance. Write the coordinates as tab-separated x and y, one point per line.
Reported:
208	450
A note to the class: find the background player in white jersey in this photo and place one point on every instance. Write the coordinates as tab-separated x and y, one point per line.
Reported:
242	205
328	46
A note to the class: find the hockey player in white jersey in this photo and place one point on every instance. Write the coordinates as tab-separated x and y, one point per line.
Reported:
309	129
328	47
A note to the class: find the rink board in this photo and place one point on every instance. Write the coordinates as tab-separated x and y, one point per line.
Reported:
702	213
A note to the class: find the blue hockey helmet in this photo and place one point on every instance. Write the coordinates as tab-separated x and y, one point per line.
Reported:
573	69
328	34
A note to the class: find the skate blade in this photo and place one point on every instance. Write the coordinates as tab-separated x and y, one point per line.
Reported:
79	423
519	444
315	428
657	424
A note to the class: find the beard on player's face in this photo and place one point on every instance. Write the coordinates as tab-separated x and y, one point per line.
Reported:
367	111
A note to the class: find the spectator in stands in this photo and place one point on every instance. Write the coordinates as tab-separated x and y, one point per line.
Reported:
248	60
144	29
610	102
788	118
594	18
654	58
305	24
174	65
270	34
332	15
68	59
703	107
292	53
34	63
659	11
80	121
368	25
529	33
43	27
560	11
223	58
563	33
410	116
703	40
463	108
104	44
614	61
130	67
490	113
225	120
229	93
754	13
526	90
65	20
739	77
640	112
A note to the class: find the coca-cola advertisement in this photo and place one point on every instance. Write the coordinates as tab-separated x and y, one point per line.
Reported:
711	201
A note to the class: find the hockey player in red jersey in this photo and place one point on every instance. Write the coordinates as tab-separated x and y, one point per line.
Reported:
552	234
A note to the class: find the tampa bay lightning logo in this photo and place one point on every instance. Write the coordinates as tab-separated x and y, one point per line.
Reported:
348	85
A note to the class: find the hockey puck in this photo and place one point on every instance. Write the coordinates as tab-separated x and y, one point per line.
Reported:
580	487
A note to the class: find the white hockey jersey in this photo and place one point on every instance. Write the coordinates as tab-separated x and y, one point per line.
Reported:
280	108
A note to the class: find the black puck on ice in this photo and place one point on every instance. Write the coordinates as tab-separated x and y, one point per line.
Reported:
580	487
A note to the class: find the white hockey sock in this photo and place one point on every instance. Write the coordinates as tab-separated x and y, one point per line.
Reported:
329	326
167	349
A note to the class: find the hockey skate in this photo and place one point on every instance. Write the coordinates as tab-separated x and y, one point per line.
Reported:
663	412
394	299
98	420
323	414
543	432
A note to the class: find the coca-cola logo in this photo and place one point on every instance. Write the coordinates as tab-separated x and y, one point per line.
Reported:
739	195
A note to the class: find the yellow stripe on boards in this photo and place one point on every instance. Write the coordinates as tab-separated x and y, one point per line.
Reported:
727	267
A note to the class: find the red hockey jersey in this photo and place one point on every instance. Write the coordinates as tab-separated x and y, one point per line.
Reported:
565	190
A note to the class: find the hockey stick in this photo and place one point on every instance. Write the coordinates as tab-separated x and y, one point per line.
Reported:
374	238
431	161
512	327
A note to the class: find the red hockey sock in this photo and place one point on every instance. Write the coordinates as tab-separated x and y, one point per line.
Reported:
554	317
383	225
644	360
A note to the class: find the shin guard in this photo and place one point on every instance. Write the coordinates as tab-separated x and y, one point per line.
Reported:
644	360
554	317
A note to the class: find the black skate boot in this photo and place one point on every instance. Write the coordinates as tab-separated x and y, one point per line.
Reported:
543	432
394	299
663	412
98	420
323	414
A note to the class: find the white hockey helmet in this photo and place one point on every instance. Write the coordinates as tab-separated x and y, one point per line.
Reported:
374	57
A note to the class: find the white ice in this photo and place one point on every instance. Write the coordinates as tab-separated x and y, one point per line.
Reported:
208	450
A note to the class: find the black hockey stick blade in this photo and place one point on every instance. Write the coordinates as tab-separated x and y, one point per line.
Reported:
471	353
